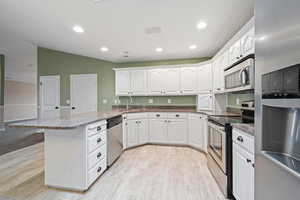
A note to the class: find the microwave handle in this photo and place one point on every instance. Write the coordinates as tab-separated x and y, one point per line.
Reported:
243	81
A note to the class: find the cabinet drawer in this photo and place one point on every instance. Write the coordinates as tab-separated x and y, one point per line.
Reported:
96	156
247	142
177	115
95	141
157	115
96	171
95	128
137	116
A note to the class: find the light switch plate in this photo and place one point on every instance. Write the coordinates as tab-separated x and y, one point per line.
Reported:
238	101
169	101
104	101
68	102
150	100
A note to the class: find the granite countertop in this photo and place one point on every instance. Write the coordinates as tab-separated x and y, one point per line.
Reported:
247	128
74	121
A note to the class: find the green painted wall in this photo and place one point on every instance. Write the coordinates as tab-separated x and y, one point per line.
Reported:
242	96
2	77
52	62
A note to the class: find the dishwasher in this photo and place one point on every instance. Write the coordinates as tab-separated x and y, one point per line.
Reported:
114	139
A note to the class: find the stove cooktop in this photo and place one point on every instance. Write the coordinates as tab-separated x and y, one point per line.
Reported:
228	120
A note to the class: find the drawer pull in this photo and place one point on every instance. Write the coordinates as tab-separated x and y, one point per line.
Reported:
177	115
99	128
99	140
157	115
99	155
240	138
99	169
248	160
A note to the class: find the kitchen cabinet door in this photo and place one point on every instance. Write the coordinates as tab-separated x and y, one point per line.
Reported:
123	82
248	43
156	81
158	130
216	75
177	131
243	174
205	80
196	132
204	102
188	80
138	82
132	133
143	131
172	81
235	52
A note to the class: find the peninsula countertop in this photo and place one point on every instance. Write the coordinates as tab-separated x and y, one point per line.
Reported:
74	121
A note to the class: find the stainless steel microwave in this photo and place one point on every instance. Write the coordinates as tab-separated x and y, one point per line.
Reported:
240	77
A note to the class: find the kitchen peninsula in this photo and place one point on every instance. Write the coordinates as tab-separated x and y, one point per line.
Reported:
76	146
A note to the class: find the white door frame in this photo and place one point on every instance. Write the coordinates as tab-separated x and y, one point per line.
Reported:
71	87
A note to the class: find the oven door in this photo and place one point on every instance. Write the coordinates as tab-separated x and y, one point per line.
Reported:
217	144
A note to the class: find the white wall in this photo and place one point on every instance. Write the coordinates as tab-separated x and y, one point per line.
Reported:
20	93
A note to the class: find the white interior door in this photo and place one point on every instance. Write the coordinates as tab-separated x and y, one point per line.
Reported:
83	93
49	96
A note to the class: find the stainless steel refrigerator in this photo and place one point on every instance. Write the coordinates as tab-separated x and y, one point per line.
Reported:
277	92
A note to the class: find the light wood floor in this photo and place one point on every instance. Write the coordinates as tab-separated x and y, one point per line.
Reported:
145	173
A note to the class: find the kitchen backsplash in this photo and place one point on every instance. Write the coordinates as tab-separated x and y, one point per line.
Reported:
236	99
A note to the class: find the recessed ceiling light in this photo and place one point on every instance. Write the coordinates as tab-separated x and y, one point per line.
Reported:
104	49
192	47
201	25
78	29
159	49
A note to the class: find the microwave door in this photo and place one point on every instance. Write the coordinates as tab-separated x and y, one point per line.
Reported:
244	76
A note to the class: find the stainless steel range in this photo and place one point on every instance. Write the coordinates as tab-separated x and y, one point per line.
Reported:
220	148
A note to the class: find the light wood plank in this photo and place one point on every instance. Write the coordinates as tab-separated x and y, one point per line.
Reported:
150	172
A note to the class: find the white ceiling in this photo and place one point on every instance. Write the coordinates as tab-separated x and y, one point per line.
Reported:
120	25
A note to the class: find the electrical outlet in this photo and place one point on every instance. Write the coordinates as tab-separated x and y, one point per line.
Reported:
237	101
68	102
169	101
104	101
150	100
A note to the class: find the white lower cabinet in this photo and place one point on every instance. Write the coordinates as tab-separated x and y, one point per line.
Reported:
243	167
177	131
158	130
198	131
165	128
136	132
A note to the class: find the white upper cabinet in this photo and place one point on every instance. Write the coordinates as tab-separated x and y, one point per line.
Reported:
123	82
172	80
164	81
205	78
216	75
235	52
138	82
131	82
205	102
155	83
248	43
188	80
